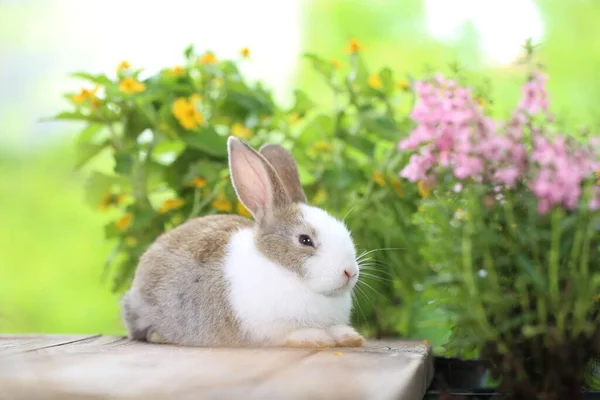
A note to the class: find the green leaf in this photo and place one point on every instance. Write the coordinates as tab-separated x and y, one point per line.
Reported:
87	151
323	67
98	185
206	140
79	116
89	133
100	79
303	103
123	163
135	123
387	79
240	101
339	177
189	51
318	128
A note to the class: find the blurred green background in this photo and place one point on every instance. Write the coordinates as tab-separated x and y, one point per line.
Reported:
51	243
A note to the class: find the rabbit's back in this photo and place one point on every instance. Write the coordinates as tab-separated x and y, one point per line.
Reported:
179	291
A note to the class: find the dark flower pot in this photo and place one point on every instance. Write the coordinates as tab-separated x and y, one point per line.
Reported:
456	379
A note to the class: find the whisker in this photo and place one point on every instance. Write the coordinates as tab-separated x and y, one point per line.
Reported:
364	294
368	286
349	211
359	307
375	277
374	250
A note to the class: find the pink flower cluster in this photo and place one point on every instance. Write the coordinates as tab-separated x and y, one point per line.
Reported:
452	133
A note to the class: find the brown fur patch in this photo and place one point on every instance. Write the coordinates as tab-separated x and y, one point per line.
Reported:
285	165
179	290
277	238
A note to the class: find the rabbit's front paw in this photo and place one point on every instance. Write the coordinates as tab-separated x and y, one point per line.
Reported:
155	337
312	338
346	336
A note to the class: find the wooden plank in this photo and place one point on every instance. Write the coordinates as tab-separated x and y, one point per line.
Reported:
108	367
376	372
12	344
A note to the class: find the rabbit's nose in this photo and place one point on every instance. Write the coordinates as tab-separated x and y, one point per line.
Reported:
349	274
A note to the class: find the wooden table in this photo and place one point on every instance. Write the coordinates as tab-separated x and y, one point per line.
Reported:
40	367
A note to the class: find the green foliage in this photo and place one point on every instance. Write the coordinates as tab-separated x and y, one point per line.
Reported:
167	137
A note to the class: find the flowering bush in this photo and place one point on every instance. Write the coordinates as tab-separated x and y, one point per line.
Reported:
166	135
511	233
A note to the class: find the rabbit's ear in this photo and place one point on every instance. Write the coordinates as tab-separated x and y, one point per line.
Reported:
284	163
255	181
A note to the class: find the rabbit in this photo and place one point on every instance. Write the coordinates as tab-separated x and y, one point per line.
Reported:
284	280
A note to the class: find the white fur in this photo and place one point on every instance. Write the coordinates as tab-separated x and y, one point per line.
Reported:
272	302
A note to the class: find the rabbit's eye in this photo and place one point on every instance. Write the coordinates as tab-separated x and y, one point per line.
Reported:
305	240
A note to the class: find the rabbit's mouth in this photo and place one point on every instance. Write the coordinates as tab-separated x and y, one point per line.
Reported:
342	289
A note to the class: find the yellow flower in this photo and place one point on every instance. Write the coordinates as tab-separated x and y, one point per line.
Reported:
198	182
221	203
243	211
245	52
597	298
426	342
123	65
403	84
124	222
84	94
323	146
378	178
131	241
111	200
336	64
480	101
424	189
513	226
293	118
130	85
398	188
95	103
354	46
207	58
177	70
171	204
500	228
240	131
374	82
187	115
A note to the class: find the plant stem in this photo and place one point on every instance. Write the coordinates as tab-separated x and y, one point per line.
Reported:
553	277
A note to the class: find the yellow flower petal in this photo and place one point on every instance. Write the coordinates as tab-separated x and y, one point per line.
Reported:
221	203
245	52
124	222
131	86
186	114
207	58
171	204
123	65
378	178
424	189
354	46
240	131
403	84
374	82
177	70
243	211
198	182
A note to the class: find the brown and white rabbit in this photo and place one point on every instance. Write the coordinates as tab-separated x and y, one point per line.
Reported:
222	280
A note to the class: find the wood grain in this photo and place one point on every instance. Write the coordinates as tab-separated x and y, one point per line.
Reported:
112	367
